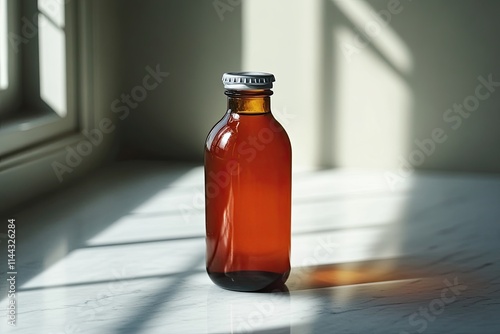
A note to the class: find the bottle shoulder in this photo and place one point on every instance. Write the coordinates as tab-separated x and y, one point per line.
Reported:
236	129
217	130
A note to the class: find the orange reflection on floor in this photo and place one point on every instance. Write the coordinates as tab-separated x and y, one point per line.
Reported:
303	278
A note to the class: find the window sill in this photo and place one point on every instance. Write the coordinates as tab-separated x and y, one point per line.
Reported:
30	173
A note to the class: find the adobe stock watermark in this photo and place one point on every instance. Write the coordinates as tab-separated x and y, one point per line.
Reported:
425	315
261	311
454	117
248	150
372	29
223	6
31	26
98	303
120	106
323	252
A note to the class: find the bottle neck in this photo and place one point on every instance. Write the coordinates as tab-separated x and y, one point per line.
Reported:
249	102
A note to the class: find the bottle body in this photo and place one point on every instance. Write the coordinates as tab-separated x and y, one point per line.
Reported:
248	201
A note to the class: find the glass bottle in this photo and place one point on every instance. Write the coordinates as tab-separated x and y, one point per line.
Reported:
248	189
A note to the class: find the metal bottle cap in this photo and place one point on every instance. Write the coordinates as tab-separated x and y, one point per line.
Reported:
248	80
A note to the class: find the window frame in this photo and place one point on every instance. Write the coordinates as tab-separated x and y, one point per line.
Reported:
25	129
29	173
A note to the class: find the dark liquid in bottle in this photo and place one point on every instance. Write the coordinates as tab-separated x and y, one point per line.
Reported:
248	202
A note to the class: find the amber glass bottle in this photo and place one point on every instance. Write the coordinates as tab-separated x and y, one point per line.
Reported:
248	189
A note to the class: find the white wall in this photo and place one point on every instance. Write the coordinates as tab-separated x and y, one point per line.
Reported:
188	40
362	110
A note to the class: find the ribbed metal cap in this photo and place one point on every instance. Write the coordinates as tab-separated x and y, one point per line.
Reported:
248	80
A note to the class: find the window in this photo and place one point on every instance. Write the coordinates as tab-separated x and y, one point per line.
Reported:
37	72
9	87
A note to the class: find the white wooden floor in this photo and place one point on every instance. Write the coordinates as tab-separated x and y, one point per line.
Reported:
123	252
